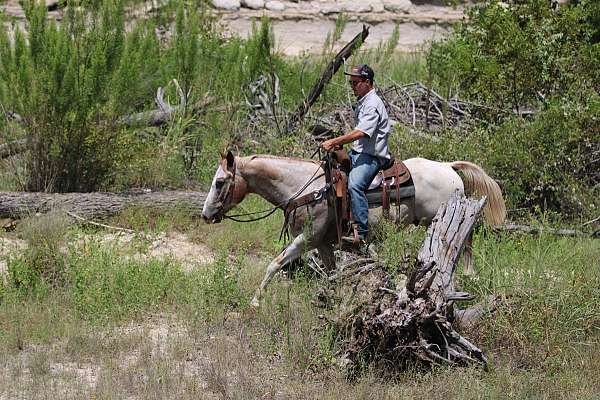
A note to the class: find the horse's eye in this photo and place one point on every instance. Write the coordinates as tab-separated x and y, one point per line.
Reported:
219	184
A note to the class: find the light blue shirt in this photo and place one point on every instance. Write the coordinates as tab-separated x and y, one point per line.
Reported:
371	117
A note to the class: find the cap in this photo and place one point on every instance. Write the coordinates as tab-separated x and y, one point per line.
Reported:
362	70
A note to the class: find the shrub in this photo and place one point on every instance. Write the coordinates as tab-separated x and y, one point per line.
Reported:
212	292
525	56
512	55
58	82
545	164
42	264
105	286
72	83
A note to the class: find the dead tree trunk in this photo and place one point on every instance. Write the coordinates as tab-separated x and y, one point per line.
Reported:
97	205
416	321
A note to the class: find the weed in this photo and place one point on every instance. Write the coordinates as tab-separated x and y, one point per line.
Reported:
42	263
105	286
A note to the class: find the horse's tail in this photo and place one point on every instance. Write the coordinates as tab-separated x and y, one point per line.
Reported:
477	182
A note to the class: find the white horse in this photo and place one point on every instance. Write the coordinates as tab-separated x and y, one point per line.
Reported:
279	179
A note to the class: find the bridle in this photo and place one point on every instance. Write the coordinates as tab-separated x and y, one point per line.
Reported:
228	198
226	202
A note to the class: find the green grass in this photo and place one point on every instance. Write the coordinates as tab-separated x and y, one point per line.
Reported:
107	317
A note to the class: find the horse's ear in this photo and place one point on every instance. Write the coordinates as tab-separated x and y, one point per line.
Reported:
230	160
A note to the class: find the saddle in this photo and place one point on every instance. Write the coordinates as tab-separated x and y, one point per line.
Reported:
391	184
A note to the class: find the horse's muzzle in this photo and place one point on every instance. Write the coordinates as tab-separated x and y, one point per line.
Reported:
213	220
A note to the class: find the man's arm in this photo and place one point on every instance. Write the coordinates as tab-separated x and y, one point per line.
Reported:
342	140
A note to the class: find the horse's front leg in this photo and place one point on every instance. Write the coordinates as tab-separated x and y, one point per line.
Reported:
289	254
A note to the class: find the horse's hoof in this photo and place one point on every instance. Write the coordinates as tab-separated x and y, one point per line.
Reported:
255	303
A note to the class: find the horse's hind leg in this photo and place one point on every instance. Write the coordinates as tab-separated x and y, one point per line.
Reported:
290	253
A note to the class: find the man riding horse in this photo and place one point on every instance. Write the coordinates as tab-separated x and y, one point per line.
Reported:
284	180
369	141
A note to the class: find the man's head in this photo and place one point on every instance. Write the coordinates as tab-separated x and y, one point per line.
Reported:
361	79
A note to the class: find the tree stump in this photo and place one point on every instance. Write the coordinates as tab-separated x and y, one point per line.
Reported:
414	323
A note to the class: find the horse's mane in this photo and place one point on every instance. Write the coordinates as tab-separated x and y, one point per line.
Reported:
268	156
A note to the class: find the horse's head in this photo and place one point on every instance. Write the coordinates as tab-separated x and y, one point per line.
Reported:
227	190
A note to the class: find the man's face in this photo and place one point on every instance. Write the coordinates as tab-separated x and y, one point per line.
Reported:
360	86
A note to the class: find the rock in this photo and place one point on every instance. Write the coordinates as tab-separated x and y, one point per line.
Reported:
377	6
253	4
329	8
398	6
354	6
229	5
305	7
274	5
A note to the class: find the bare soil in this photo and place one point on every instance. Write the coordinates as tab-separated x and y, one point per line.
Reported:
303	31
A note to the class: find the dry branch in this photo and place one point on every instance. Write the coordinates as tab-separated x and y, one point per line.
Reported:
326	76
93	223
165	111
158	117
97	205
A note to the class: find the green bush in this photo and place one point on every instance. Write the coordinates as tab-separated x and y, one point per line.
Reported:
544	164
217	289
58	81
73	83
525	56
513	54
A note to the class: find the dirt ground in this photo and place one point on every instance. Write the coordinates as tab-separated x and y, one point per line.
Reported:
304	33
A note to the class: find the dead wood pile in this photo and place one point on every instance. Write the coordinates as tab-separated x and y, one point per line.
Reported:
394	323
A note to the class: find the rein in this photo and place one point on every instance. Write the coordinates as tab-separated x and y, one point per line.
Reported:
233	217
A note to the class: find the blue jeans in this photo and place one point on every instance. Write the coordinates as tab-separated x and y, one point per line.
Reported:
364	169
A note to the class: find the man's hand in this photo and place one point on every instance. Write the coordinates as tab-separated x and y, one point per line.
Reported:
337	143
329	144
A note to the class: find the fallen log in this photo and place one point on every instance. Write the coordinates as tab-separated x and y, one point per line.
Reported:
398	326
18	205
536	230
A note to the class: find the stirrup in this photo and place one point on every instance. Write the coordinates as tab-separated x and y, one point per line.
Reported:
353	239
